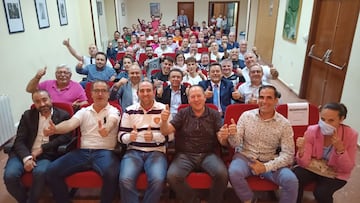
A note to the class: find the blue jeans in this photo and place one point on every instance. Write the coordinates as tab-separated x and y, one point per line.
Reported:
284	177
183	164
132	164
14	169
104	162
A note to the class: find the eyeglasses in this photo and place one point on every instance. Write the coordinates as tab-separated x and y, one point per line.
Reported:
256	71
97	91
62	72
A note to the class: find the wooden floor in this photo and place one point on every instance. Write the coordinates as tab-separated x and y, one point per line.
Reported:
348	194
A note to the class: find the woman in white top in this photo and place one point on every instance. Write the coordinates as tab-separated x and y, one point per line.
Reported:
180	62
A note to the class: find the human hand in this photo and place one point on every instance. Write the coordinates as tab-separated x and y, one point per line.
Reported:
165	114
41	73
160	91
236	94
102	130
257	167
80	65
208	92
36	153
337	142
300	144
121	82
223	132
50	130
253	99
109	45
133	134
232	128
148	135
29	165
66	42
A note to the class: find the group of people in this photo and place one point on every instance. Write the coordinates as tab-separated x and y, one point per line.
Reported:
149	119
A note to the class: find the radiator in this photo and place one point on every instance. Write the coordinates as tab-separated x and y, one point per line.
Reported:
7	127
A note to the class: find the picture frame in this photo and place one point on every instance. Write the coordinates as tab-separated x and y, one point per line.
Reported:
62	12
291	21
123	9
42	13
14	16
155	9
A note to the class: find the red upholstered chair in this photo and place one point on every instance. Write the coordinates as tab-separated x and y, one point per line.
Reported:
142	58
120	55
172	55
255	182
299	130
203	49
153	72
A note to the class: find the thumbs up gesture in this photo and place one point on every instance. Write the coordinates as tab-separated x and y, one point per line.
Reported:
50	130
102	130
80	65
208	93
133	134
41	73
223	132
236	94
253	99
148	136
232	128
165	113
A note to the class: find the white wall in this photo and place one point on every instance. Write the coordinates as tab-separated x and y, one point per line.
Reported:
23	54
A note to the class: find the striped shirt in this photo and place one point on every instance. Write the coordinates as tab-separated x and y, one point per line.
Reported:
135	115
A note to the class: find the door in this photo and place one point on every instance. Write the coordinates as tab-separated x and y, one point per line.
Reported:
188	8
329	47
265	29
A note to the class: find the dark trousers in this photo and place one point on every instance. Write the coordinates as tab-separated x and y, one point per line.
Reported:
324	189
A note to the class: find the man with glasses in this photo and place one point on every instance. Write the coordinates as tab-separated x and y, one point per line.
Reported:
63	89
249	90
99	126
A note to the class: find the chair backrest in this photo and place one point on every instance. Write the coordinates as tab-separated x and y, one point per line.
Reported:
172	55
153	72
235	110
120	55
202	49
142	58
299	130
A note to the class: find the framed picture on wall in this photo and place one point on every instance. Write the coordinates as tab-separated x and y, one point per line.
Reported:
62	12
14	16
42	14
155	9
292	18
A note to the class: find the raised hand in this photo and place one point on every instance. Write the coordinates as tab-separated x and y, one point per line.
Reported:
41	73
208	92
133	134
80	65
50	130
253	99
165	113
102	130
236	94
232	128
223	132
148	136
66	42
337	142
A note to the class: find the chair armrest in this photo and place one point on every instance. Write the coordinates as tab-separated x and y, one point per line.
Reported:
62	149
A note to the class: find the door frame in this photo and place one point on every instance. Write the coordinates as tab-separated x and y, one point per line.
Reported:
193	8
